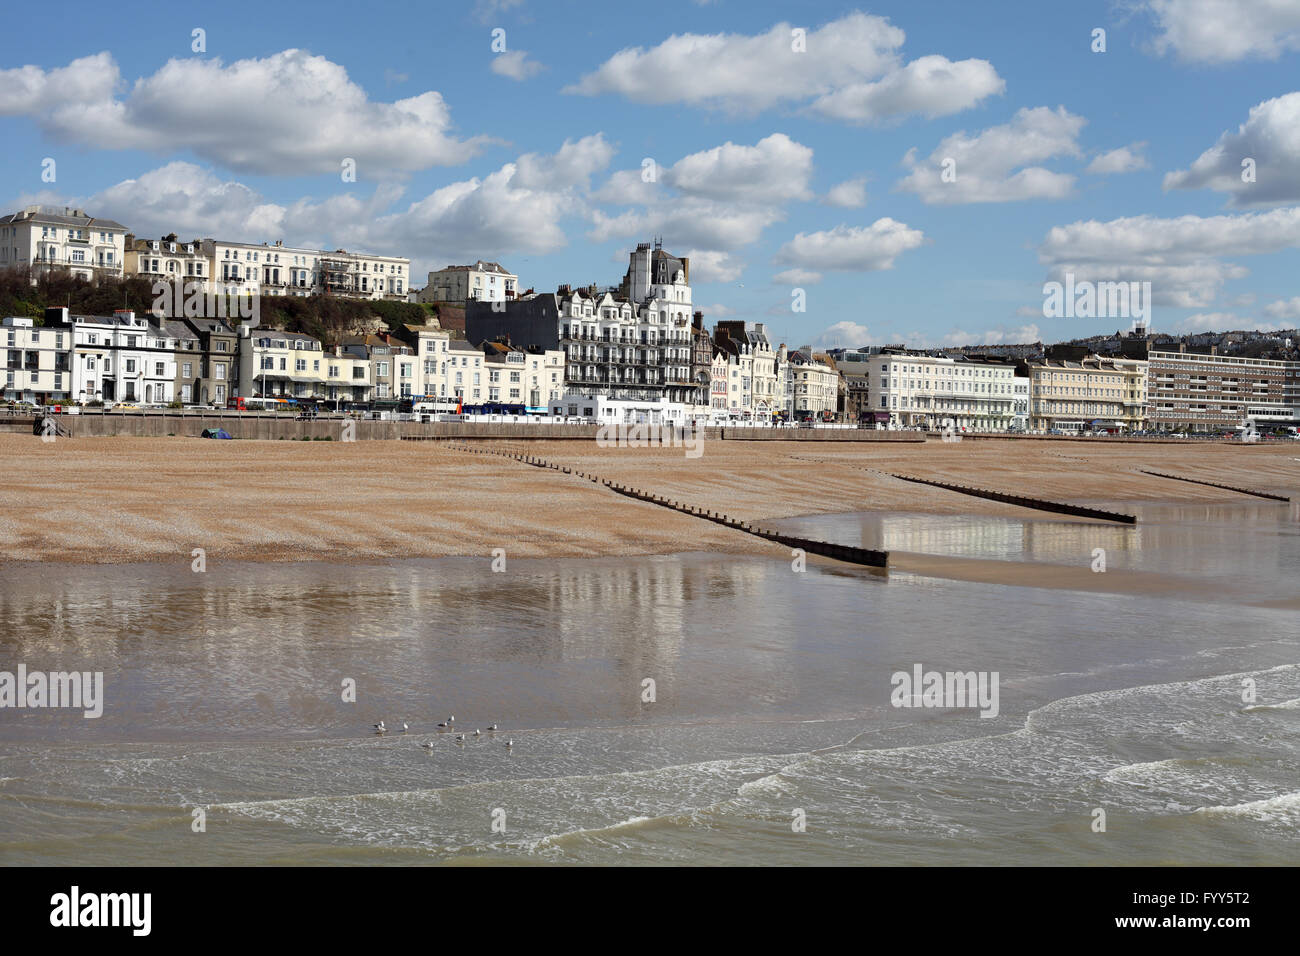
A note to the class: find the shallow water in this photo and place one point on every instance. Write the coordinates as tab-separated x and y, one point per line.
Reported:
224	692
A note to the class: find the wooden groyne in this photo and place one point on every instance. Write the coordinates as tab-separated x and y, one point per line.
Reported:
1215	484
840	552
1039	504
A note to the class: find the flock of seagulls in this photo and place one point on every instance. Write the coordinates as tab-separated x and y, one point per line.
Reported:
448	724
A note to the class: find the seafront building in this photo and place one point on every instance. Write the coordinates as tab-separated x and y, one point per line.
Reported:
633	342
275	364
1088	393
46	238
120	358
814	384
169	259
1207	392
481	282
38	362
976	393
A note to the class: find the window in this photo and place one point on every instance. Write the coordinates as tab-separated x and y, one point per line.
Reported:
130	366
187	369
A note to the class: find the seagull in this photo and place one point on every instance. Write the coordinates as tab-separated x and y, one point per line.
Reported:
427	746
477	732
380	728
492	727
404	727
447	722
509	743
460	738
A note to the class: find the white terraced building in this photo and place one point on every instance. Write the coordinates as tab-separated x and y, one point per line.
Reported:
482	282
38	362
47	238
245	268
122	358
936	391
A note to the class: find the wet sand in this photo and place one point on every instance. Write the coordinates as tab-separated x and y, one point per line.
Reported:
122	499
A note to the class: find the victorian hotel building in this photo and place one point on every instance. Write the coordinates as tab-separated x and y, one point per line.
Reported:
624	348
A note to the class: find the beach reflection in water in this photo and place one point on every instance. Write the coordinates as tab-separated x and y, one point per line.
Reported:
227	690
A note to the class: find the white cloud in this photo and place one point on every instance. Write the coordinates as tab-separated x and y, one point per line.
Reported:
716	311
1223	31
846	335
982	164
1209	322
573	165
1284	308
775	169
850	70
692	222
497	215
851	248
932	86
288	113
1271	137
1179	257
708	265
718	199
797	277
1126	159
486	10
850	194
515	65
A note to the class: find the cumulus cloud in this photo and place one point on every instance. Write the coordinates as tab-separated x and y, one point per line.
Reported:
1271	138
1224	31
519	208
775	169
718	199
981	166
846	334
797	277
515	65
1284	308
709	265
1179	257
851	248
850	194
289	113
932	86
1126	159
850	70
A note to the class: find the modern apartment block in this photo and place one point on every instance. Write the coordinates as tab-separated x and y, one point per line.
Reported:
934	391
633	343
482	282
1207	392
1088	393
46	238
37	362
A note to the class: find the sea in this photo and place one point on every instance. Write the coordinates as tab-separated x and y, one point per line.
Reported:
684	709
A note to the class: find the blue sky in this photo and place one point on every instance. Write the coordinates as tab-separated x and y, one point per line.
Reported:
1115	165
